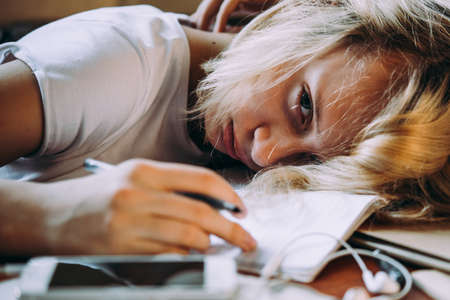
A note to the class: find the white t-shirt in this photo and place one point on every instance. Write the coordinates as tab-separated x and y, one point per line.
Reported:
114	85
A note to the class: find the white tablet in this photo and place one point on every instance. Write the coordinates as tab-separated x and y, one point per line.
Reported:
129	277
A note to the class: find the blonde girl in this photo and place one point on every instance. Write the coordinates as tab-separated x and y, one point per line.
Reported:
350	95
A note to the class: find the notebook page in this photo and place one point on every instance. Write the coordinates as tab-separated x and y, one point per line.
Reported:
277	220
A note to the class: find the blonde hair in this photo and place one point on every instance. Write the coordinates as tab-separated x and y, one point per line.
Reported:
402	154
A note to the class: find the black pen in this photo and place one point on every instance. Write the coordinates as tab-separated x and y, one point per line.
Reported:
96	166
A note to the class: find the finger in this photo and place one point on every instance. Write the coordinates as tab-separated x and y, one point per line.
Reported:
137	245
185	178
189	211
227	7
165	249
170	231
210	220
206	12
145	246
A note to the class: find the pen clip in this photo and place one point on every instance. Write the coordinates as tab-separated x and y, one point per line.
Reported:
96	166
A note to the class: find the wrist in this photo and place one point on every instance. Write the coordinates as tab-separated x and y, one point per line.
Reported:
23	214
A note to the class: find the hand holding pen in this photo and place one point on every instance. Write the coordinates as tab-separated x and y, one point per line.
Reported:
166	207
96	166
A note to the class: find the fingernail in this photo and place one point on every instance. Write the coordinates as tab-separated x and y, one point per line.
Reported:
240	215
250	242
244	211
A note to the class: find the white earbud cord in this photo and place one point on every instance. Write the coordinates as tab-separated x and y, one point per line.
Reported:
276	260
396	264
274	263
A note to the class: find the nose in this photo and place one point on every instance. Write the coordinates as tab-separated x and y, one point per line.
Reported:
271	146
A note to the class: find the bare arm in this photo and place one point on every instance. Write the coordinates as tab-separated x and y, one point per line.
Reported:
21	116
23	217
134	212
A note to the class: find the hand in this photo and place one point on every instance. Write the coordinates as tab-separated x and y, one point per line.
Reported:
214	14
133	209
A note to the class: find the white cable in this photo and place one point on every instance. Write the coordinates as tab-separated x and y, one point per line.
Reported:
276	260
272	265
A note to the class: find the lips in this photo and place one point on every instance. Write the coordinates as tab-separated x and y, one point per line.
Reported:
229	141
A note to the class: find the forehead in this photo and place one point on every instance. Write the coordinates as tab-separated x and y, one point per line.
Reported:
348	93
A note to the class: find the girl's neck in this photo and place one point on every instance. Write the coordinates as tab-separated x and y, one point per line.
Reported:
203	46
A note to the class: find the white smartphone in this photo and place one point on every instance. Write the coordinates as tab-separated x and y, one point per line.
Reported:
129	277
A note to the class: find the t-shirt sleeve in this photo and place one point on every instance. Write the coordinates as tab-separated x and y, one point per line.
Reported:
98	72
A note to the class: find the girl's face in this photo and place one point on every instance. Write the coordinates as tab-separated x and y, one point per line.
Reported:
315	113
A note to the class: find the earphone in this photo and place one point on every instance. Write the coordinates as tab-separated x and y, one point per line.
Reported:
377	283
381	282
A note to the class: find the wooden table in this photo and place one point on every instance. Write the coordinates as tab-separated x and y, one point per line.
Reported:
344	273
338	276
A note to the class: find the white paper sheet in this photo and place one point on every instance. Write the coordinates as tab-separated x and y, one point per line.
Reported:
280	218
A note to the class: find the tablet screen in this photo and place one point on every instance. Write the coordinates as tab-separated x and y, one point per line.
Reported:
68	274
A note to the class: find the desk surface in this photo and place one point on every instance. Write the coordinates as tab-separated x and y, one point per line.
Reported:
338	276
